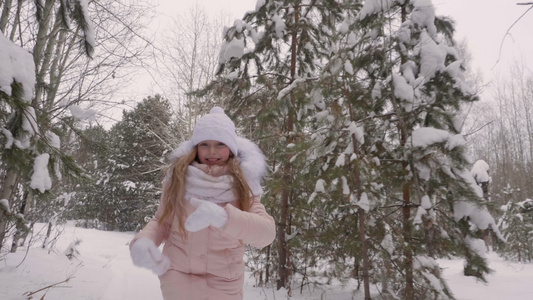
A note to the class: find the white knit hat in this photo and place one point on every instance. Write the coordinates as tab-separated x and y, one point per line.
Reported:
216	126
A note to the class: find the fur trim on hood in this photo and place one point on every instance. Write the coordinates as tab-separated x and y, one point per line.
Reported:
250	157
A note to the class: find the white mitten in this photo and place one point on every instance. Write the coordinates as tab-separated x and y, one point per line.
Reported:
206	213
145	254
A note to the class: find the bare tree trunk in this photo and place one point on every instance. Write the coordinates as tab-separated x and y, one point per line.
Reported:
5	15
39	50
284	228
364	252
527	109
407	229
21	230
267	268
47	237
8	187
16	21
361	212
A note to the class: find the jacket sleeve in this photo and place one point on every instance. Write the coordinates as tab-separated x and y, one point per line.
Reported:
254	227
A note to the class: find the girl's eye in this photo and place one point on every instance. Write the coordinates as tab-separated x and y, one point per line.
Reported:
221	144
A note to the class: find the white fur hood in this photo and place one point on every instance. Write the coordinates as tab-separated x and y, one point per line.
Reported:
250	157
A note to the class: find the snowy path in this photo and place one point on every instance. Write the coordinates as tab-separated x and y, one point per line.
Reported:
104	272
111	255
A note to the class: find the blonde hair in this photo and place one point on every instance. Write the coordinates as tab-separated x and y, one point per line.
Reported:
174	192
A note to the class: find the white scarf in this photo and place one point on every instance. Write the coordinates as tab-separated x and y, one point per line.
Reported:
200	185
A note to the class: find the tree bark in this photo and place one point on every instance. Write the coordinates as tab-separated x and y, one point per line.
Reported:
5	15
21	229
406	195
8	186
364	252
361	212
17	21
48	232
407	229
284	226
39	49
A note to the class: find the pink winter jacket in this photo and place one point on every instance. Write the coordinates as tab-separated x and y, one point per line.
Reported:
209	263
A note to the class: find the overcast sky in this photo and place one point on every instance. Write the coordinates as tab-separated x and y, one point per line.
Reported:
482	23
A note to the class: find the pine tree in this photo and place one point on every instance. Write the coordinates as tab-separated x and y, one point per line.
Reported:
356	107
125	165
267	88
93	152
141	139
428	202
517	227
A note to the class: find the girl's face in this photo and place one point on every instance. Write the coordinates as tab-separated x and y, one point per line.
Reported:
213	153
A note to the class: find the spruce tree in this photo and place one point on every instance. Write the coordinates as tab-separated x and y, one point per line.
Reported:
516	224
140	141
93	152
355	105
125	165
267	88
428	202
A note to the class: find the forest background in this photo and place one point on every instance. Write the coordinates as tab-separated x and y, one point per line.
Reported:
382	158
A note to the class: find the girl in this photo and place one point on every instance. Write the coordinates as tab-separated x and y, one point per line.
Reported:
209	208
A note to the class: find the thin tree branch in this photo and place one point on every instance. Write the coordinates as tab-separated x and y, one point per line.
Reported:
509	29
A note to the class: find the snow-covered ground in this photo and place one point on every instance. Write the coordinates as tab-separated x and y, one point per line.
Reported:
103	270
